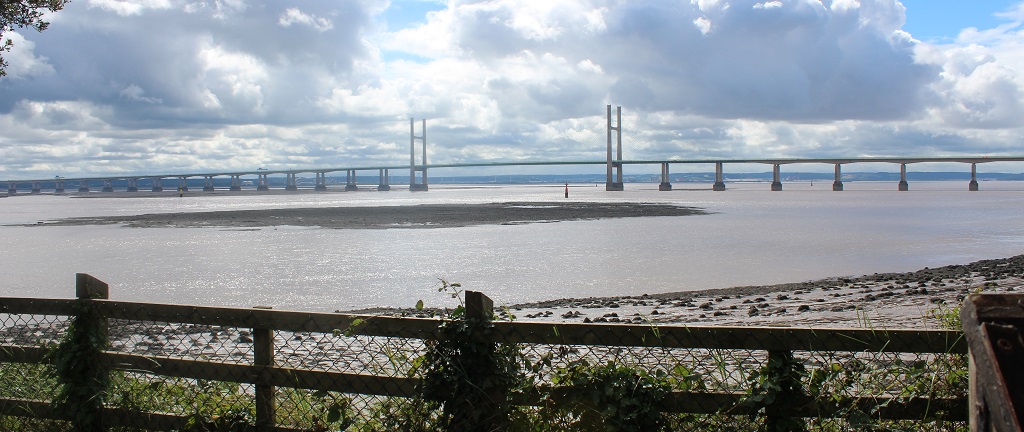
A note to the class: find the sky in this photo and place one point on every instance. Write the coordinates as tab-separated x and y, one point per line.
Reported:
120	87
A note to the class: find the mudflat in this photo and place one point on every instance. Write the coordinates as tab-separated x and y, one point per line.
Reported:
392	217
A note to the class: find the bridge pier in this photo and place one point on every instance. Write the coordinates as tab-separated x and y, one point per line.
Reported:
350	181
83	186
413	186
776	178
36	188
182	184
108	185
133	185
12	188
208	185
719	179
837	184
290	183
157	184
321	181
904	186
58	187
384	183
236	183
973	185
665	184
263	183
616	164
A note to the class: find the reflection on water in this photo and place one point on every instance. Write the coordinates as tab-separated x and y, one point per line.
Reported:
753	237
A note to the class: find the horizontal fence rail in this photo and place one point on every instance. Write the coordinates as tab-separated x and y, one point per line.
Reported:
176	367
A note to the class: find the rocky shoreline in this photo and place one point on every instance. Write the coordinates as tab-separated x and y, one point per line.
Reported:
920	299
884	300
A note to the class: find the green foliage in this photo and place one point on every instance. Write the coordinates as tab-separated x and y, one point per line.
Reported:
772	389
471	377
611	397
81	377
21	14
401	414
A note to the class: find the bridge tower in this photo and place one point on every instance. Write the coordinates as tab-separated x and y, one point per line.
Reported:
616	183
413	186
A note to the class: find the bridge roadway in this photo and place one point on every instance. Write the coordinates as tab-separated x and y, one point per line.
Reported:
262	175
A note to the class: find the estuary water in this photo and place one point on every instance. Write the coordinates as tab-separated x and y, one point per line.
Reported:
752	237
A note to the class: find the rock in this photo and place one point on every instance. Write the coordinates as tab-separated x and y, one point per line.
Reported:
803	308
753	311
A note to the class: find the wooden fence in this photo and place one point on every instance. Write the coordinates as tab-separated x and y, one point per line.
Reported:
269	376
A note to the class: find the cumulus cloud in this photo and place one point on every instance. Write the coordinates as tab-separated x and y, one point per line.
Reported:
22	60
295	16
158	85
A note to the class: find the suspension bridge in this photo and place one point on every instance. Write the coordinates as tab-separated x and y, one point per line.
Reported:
418	180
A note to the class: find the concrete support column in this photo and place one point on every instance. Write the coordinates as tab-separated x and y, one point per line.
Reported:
350	180
182	184
208	185
36	188
776	178
837	184
12	188
321	181
973	185
58	186
719	179
290	183
133	185
157	184
903	178
665	184
108	185
613	181
236	183
385	180
264	183
83	186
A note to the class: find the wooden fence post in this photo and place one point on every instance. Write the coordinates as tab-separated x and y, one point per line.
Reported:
81	370
266	401
88	287
781	371
479	306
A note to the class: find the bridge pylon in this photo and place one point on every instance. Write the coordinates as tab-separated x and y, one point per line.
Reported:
614	184
413	185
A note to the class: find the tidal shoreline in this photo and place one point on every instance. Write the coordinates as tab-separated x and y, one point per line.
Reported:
390	217
919	299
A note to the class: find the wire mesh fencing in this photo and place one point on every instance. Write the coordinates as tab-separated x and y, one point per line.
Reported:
174	367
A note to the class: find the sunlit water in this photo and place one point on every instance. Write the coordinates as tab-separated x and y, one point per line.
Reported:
754	236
